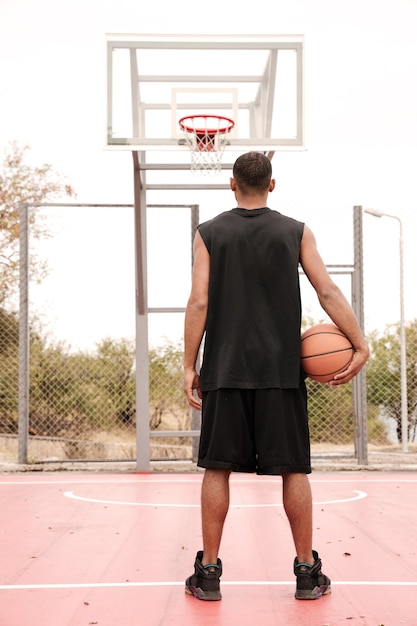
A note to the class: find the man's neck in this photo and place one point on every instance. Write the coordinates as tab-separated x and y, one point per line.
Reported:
250	206
252	202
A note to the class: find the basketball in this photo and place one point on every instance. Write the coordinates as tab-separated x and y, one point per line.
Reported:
325	351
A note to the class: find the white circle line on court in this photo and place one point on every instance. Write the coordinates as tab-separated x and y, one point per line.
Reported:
276	583
360	495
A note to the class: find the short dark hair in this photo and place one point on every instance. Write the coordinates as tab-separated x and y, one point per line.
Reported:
252	172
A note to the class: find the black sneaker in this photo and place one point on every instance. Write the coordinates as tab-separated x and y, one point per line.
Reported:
311	582
204	584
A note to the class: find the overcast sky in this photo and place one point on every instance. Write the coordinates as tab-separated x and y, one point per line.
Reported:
361	120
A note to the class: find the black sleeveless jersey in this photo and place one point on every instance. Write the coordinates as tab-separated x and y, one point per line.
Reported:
252	336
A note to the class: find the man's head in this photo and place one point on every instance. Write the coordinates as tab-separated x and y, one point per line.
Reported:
252	173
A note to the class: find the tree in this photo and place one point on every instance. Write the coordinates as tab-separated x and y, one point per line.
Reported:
167	398
21	182
74	393
9	367
383	374
330	413
115	373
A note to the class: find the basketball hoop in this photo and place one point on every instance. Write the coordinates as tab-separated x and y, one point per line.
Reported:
206	136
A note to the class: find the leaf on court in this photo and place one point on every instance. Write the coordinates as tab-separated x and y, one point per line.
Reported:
347	554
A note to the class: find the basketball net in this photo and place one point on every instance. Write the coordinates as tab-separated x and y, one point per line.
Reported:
206	136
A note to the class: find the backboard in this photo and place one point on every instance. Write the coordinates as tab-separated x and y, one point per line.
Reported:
154	80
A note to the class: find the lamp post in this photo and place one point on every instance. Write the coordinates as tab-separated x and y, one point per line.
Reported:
403	359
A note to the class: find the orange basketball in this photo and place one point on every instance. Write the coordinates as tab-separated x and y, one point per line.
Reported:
325	351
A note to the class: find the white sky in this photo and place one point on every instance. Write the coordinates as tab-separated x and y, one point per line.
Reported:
361	103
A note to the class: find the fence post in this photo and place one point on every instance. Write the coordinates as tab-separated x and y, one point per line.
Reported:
359	382
142	348
23	404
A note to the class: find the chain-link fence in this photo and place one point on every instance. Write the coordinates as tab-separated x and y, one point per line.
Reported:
82	401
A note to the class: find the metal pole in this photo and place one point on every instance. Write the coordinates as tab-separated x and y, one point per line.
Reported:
403	351
403	346
23	410
359	382
142	348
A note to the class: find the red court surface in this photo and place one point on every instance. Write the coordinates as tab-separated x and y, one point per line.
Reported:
114	550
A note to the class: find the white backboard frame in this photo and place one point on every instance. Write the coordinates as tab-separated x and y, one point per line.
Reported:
259	110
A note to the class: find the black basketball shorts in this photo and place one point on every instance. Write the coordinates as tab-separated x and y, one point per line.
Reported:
255	430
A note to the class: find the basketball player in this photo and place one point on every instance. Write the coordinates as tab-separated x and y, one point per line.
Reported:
245	298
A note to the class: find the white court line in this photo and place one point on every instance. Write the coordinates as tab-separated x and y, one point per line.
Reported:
238	481
360	495
276	583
